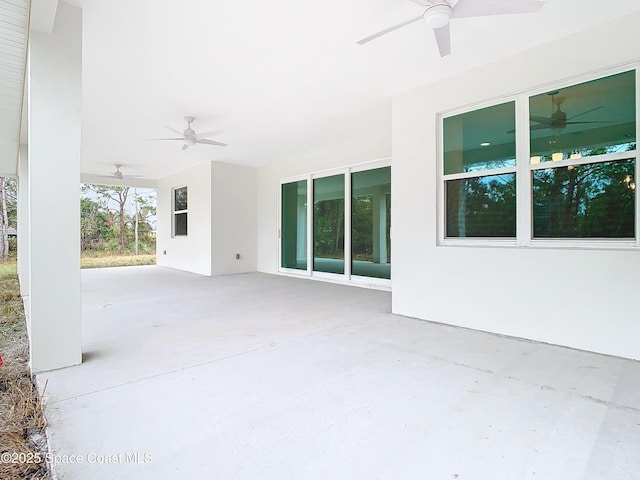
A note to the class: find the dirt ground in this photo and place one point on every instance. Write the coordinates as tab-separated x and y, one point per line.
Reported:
23	443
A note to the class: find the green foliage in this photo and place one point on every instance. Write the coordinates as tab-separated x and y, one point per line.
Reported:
108	219
588	201
328	228
482	207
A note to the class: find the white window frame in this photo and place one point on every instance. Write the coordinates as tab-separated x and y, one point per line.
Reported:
346	277
176	212
524	170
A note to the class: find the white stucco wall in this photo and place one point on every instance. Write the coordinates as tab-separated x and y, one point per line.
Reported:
192	252
583	298
234	218
222	221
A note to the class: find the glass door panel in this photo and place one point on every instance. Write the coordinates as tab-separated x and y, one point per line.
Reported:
371	223
328	224
293	231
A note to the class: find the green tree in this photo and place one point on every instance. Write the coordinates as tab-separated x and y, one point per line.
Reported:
94	222
114	198
8	212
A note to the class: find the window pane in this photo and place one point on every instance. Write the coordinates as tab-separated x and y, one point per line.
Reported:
180	198
328	224
586	201
294	225
370	223
180	224
482	206
480	140
588	119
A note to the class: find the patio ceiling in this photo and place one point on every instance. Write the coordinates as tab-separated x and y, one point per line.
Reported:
284	80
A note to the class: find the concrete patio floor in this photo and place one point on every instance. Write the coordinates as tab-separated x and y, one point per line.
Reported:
268	377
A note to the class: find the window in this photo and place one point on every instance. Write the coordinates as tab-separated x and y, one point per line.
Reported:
480	173
577	161
583	159
180	212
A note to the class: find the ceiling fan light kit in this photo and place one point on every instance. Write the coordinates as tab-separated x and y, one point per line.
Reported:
438	16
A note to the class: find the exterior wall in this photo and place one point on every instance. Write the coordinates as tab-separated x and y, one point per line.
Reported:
53	175
583	298
221	209
192	252
234	217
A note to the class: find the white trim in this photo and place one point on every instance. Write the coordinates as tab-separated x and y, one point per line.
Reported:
608	157
372	282
372	165
347	224
524	203
480	173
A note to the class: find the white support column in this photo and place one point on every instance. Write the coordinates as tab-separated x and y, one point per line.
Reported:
53	189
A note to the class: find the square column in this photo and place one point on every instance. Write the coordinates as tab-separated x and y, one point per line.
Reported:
54	104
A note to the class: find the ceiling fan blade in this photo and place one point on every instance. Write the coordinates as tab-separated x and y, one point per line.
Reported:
538	127
584	113
597	121
543	120
211	142
185	146
181	139
483	8
132	176
443	38
388	30
208	134
173	130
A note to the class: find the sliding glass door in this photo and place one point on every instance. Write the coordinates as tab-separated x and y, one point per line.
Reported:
338	225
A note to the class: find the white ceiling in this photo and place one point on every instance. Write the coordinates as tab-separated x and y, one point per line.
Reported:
14	19
282	78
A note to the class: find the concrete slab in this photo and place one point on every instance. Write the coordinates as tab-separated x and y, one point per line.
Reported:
259	376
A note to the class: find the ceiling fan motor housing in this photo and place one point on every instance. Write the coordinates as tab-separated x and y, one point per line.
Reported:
438	15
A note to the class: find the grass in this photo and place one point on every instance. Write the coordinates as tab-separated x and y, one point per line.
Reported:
22	420
101	260
93	260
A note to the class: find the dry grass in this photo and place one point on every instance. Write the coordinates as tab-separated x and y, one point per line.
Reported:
22	420
93	261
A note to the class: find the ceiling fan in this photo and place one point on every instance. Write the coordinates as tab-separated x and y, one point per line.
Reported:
439	13
117	175
558	119
189	137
